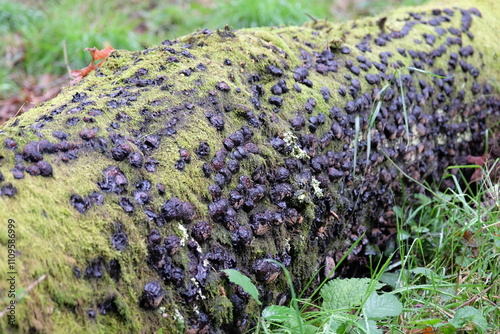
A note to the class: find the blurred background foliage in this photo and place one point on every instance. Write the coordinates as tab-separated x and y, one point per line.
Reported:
36	34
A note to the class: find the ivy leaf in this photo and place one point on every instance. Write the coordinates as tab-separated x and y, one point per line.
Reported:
238	278
382	306
346	293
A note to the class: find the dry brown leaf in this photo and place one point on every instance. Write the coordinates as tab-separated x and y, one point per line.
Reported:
96	55
99	54
80	74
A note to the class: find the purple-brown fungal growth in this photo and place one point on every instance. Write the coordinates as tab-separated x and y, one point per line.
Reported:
223	149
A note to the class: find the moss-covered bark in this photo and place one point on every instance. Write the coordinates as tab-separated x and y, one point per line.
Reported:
221	149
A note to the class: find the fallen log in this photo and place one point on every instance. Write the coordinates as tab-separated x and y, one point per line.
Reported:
131	190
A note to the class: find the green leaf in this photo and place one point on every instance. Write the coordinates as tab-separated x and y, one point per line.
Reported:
382	306
403	235
331	326
424	271
238	278
391	279
287	318
468	314
428	321
310	329
368	326
398	211
276	313
345	293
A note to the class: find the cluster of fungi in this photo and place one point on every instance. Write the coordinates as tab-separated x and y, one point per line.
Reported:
280	171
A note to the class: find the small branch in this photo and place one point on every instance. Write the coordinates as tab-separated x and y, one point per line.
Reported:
476	296
28	289
66	62
311	17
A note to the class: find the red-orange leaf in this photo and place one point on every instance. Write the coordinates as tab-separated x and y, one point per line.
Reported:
96	55
80	74
480	161
99	54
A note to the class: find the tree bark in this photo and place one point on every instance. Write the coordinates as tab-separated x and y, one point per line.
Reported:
134	188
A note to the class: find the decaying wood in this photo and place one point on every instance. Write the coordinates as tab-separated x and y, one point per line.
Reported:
132	189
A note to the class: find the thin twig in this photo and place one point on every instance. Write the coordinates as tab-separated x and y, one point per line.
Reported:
66	62
312	17
26	291
476	296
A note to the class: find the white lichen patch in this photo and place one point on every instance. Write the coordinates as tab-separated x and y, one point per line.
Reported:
184	234
464	136
318	192
292	141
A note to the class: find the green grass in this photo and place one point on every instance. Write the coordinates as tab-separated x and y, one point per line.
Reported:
450	253
446	278
34	34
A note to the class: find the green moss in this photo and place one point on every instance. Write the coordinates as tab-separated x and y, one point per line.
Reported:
221	310
52	238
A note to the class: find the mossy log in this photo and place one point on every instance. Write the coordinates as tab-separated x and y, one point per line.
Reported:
131	190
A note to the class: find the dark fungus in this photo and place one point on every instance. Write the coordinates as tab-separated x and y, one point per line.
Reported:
33	170
44	168
203	149
222	86
354	69
31	152
242	236
325	92
126	204
217	209
8	190
172	244
119	240
235	199
114	269
175	209
79	203
276	101
121	151
215	191
152	295
10	144
275	71
97	198
265	271
201	231
136	159
141	197
94	269
342	91
114	180
185	155
217	121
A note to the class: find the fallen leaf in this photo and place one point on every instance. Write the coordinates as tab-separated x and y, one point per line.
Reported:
480	161
99	54
96	55
80	74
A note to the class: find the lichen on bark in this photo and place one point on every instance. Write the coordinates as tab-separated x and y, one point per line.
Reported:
132	189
